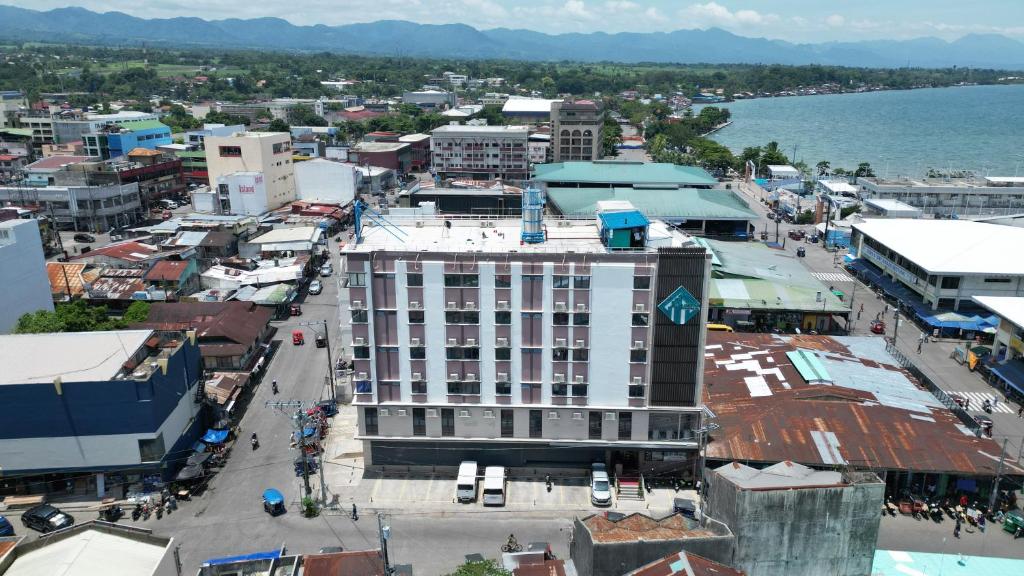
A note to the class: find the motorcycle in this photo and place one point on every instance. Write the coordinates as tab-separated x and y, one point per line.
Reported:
273	386
547	480
136	512
987	406
255	443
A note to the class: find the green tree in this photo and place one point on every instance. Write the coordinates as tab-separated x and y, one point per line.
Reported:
844	212
864	170
304	116
137	312
822	168
38	322
611	137
77	316
480	568
278	125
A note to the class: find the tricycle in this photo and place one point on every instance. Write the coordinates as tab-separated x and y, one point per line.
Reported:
110	512
273	502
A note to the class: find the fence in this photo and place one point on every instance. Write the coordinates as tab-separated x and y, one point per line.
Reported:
939	393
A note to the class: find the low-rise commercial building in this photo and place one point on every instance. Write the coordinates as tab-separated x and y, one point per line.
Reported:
466	337
480	152
89	208
72	126
115	140
396	156
809	399
522	109
22	272
619	174
420	150
932	265
948	197
82	404
282	242
430	99
1006	363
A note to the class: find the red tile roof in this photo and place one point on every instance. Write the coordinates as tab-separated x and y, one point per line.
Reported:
223	328
130	251
167	271
637	526
892	424
685	564
361	563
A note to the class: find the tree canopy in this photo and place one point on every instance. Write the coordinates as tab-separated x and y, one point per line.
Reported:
79	316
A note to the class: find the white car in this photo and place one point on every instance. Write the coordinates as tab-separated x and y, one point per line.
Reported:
600	486
326	270
316	287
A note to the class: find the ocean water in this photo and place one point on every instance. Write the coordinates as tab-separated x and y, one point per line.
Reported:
900	132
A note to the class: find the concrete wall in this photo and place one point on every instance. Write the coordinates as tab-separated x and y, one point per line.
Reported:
799	532
616	558
22	272
327	181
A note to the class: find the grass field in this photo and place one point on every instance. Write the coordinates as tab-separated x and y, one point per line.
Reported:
164	70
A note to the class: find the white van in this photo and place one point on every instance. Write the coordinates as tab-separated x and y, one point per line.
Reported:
494	486
465	485
168	204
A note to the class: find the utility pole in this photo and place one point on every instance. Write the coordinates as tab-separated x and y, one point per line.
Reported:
384	534
299	420
995	486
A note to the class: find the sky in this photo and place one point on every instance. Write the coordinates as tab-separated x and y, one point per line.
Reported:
792	20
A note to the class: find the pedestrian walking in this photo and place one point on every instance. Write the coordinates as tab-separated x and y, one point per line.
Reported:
1020	411
920	342
981	522
956	529
967	404
355	512
995	402
886	309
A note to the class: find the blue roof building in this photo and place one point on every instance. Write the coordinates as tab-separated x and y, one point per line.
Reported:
116	140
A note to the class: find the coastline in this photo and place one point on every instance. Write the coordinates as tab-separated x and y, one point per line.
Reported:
792	94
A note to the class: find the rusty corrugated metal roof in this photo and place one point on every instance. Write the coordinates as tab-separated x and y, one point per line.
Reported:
875	416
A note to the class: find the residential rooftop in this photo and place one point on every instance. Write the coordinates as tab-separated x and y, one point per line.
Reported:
54	163
1010	308
523	105
621	173
949	247
832	401
377	147
297	234
72	356
685	564
637	526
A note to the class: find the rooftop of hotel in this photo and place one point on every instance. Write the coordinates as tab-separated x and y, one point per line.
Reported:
462	128
965	182
430	234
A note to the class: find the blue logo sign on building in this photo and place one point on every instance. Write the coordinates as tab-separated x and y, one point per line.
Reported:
680	306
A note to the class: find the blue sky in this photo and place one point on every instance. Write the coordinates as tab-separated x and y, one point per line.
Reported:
794	20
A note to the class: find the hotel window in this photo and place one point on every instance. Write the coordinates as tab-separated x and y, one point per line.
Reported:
416	317
359	316
580	355
507	423
595	425
640	320
361	352
502	317
582	282
559	355
502	353
357	279
641	282
417	353
503	281
536	423
581	319
560	318
638	356
370	419
560	282
625	425
414	280
461	280
419	422
230	152
419	387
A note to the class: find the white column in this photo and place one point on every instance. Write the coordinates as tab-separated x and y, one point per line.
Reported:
101	488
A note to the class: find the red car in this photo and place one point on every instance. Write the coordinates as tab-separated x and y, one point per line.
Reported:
878	327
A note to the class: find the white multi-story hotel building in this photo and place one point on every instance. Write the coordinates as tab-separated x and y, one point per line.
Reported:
480	152
989	196
251	171
471	344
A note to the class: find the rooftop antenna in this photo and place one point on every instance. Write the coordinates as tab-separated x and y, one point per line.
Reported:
361	209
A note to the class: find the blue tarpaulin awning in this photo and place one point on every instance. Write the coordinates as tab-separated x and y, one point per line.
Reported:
1012	373
308	431
271	555
215	436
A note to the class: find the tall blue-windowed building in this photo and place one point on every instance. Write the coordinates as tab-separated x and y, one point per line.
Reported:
115	140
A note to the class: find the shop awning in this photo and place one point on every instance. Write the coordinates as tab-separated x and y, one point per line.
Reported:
198	458
1012	373
190	472
215	436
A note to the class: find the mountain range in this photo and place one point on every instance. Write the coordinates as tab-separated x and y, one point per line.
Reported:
400	38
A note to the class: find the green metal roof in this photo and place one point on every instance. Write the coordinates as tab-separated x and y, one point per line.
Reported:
666	203
752	276
807	364
143	125
17	131
624	173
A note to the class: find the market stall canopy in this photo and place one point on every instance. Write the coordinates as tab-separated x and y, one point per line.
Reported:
215	436
198	458
190	472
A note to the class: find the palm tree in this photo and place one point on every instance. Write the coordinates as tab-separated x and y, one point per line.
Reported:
823	167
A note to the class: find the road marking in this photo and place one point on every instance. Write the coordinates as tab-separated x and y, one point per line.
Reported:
832	276
977	398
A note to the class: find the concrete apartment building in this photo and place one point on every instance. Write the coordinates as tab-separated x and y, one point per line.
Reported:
988	196
480	152
576	130
11	102
22	272
468	337
252	171
73	127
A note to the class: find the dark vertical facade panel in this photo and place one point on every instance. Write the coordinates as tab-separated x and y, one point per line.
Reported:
676	348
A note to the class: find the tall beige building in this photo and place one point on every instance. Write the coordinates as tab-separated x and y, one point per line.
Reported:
576	130
252	171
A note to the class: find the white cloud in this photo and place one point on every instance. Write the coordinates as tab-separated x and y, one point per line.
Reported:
714	14
653	14
488	8
620	6
835	20
577	8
